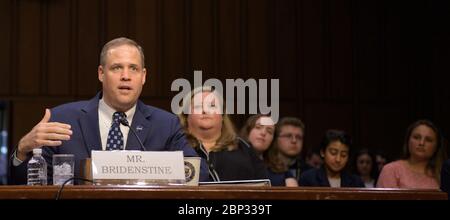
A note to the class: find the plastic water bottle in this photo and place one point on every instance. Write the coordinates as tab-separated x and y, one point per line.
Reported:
37	169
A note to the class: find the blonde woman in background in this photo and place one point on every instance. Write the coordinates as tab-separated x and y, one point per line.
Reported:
211	133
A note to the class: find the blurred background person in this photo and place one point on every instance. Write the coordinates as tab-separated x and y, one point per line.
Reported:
335	149
288	146
381	160
422	160
210	131
313	159
445	171
259	131
445	177
365	167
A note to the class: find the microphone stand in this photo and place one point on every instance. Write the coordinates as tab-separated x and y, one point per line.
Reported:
124	122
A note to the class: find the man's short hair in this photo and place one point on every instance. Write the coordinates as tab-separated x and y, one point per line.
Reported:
119	42
292	121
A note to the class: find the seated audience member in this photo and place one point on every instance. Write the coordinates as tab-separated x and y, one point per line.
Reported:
210	131
288	146
259	131
445	177
380	161
422	160
313	159
366	168
335	149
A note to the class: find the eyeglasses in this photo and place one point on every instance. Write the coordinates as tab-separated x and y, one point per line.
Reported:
291	136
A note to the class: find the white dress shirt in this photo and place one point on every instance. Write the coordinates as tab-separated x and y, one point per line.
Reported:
105	113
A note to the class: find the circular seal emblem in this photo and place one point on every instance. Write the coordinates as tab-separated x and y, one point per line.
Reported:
189	171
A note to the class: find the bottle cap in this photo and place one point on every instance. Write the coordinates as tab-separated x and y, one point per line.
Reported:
37	151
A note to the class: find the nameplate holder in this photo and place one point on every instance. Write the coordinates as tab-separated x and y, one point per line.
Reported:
138	168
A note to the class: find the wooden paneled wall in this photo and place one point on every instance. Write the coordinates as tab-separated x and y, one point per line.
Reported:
370	67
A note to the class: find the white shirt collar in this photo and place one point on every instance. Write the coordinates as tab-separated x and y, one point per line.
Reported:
107	111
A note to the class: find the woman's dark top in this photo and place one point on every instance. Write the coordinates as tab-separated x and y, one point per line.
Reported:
318	177
239	164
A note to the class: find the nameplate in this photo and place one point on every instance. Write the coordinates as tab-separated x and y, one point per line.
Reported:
138	165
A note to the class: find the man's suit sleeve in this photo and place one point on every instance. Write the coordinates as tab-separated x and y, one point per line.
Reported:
17	174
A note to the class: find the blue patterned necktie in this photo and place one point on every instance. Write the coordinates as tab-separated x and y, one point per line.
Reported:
115	136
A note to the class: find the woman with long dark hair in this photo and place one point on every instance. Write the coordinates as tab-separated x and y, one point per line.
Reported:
365	167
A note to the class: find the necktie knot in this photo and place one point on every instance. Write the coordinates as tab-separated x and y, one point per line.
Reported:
118	116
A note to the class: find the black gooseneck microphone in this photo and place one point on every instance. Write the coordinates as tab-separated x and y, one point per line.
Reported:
124	122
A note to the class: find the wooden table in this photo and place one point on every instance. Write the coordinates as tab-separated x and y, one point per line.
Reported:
216	193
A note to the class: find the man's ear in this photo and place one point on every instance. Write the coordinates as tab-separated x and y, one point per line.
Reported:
100	72
144	71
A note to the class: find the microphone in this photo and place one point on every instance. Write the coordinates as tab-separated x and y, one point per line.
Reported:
124	122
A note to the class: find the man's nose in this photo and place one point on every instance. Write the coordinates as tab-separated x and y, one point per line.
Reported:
294	139
125	74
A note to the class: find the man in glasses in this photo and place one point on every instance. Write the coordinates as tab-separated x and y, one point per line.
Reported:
289	140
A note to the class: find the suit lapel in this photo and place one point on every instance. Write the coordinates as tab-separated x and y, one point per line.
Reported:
89	125
141	125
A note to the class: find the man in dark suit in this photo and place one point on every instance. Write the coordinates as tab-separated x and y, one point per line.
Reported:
80	127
